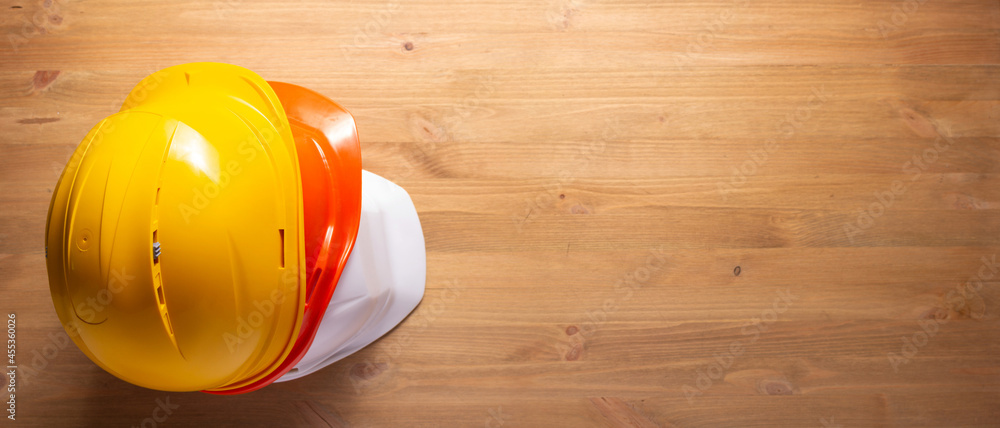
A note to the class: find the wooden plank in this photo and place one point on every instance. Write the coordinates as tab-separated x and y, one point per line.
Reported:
864	104
548	35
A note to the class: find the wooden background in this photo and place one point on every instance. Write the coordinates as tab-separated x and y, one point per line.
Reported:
557	151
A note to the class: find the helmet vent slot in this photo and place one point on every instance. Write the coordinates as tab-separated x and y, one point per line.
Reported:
281	249
159	295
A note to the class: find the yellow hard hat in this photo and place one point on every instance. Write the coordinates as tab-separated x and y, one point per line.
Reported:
175	240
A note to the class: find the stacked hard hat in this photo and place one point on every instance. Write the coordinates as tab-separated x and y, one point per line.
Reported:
219	234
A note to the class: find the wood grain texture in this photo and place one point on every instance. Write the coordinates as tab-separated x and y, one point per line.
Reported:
636	213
